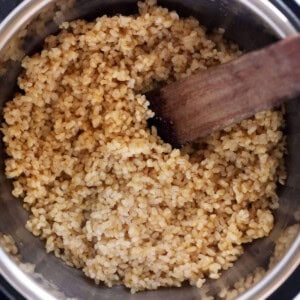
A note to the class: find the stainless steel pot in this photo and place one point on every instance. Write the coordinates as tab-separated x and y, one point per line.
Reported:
250	23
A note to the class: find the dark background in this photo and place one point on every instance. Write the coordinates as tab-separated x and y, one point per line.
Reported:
286	292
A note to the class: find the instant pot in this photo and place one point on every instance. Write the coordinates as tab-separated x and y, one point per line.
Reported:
251	24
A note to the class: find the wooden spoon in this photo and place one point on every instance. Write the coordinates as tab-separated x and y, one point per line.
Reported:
213	99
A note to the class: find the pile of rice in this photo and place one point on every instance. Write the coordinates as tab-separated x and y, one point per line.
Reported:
105	192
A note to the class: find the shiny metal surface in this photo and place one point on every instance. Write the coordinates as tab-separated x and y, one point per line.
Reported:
250	23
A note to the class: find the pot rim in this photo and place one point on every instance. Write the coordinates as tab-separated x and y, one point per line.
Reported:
30	289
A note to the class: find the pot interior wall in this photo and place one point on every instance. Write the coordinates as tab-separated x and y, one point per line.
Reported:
243	27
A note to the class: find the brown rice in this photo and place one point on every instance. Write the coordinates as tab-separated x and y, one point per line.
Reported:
103	191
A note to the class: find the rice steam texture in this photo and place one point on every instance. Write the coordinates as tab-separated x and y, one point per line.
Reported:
106	194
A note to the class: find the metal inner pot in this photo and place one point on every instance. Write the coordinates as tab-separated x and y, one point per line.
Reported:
249	23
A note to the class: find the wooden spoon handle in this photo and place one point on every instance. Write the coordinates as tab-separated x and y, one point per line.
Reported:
213	99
